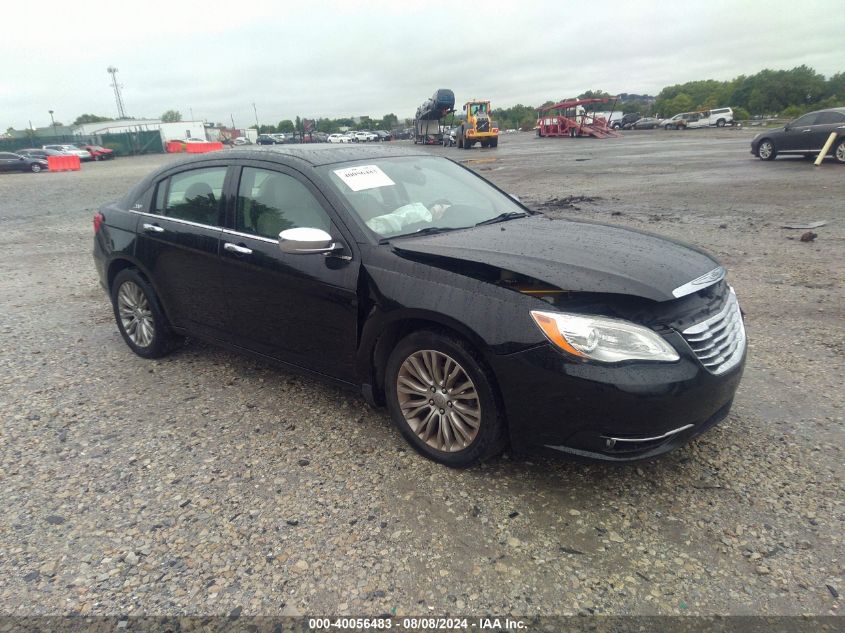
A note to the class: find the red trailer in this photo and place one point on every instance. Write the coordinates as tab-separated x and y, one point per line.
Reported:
569	118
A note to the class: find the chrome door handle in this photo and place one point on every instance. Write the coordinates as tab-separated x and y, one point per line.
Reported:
805	131
153	228
234	248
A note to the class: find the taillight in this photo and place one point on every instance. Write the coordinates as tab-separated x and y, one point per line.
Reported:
99	218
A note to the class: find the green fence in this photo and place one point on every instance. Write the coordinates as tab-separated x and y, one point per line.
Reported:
124	144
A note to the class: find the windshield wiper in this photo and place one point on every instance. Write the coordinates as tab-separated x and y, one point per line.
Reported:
429	230
503	217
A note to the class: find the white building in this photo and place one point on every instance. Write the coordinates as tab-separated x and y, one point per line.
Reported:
169	131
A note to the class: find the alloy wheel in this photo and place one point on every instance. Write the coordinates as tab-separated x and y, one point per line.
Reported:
840	152
135	314
438	400
765	150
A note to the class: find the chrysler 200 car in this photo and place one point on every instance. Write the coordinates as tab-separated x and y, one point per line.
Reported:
413	280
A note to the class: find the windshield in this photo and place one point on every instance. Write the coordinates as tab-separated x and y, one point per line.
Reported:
402	195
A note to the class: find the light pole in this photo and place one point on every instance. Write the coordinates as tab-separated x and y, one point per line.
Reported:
53	123
256	114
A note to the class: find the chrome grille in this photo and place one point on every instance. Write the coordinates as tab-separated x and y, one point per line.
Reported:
719	341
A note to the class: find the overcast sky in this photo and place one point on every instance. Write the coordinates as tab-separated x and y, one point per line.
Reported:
348	58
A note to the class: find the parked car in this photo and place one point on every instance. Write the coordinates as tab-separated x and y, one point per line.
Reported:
16	162
266	139
805	135
626	120
98	152
362	136
384	135
719	117
677	122
279	137
339	138
416	282
84	155
646	123
241	140
43	154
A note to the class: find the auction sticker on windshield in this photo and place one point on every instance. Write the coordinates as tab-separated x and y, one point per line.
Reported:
364	177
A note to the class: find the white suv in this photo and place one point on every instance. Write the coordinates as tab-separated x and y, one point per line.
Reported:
720	117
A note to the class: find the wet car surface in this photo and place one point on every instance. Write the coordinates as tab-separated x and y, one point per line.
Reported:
407	277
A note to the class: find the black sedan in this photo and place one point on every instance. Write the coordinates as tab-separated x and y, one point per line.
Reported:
413	280
805	136
17	162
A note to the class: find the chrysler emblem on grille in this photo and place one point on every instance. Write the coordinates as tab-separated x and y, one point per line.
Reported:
707	279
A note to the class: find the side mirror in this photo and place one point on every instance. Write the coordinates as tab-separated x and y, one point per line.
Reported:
304	241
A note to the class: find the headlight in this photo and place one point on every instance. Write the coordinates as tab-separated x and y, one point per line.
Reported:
603	339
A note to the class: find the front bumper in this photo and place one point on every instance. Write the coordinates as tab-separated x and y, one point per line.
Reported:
610	413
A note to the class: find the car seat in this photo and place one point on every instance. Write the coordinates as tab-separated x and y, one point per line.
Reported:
200	205
285	203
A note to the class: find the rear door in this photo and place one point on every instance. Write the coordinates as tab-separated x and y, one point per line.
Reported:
179	244
826	123
302	309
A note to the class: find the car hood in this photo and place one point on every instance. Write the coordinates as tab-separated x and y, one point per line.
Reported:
577	256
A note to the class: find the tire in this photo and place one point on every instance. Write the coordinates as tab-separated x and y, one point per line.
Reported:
468	144
667	127
766	150
494	142
133	296
448	438
839	151
720	123
35	168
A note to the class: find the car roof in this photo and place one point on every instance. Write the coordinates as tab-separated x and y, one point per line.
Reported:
314	155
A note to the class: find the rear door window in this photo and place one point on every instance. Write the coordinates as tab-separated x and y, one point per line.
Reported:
195	196
826	118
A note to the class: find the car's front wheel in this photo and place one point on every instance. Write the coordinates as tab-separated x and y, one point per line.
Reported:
766	150
139	317
35	168
442	399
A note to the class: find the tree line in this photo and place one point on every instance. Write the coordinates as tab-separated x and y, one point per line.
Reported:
768	93
775	93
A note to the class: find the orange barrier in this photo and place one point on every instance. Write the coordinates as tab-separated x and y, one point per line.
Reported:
174	147
63	163
202	148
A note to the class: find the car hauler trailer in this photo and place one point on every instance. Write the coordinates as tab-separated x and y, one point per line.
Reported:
429	116
569	118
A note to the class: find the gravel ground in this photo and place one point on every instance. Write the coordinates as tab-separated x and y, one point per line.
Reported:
205	482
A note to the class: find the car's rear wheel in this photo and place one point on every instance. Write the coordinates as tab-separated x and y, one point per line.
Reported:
766	150
139	317
720	123
442	399
839	151
35	168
